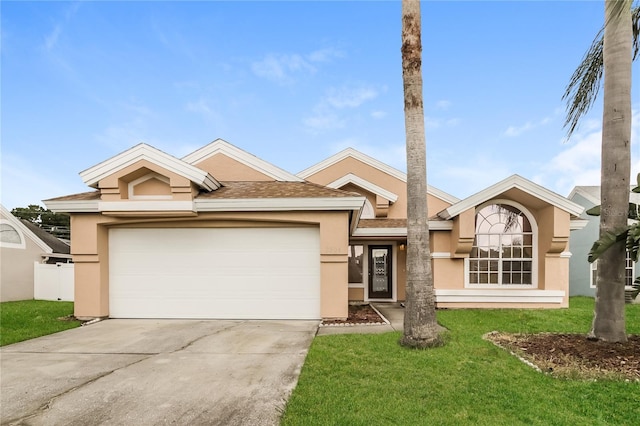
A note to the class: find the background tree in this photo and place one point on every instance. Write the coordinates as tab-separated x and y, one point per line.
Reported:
55	223
420	326
611	57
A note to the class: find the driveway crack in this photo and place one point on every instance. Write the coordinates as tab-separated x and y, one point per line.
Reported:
47	405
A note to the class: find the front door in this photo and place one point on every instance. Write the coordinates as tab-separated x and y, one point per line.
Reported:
380	272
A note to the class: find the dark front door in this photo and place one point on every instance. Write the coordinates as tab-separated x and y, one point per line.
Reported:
380	272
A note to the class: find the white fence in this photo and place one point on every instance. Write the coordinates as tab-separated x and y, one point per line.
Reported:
53	282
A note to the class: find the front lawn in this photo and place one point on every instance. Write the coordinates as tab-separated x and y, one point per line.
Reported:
27	319
370	379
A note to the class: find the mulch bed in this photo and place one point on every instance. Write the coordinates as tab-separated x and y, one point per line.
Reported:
574	356
358	314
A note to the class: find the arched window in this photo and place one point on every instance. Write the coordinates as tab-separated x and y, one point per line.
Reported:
367	211
10	236
503	249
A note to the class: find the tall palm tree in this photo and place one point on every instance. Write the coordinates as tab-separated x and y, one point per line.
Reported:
611	56
608	318
420	325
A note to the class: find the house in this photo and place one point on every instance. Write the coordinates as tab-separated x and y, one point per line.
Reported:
221	233
582	273
22	244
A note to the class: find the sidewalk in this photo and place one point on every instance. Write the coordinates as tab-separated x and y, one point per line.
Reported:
392	312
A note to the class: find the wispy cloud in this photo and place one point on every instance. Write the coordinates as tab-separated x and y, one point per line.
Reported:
51	39
443	104
378	115
579	163
282	68
515	131
325	113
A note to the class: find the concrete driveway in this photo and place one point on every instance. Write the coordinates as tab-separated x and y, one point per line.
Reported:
149	372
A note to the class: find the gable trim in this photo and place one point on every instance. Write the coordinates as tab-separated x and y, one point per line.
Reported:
385	168
584	194
93	175
220	146
364	184
514	181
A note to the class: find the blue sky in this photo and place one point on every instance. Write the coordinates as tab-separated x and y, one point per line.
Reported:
293	83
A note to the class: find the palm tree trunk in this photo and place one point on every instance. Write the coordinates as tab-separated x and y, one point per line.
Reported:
420	326
608	319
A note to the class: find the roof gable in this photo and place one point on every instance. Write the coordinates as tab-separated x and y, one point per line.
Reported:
220	146
364	184
16	223
517	182
372	162
592	194
93	175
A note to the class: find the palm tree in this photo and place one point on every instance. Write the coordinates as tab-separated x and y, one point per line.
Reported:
584	85
610	55
420	325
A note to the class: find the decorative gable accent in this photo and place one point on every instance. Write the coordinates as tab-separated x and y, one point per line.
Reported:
364	184
370	161
512	182
150	186
220	146
93	175
383	197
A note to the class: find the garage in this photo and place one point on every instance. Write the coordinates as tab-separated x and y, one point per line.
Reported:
214	273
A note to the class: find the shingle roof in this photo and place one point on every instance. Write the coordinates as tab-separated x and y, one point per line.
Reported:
91	195
268	189
382	223
52	241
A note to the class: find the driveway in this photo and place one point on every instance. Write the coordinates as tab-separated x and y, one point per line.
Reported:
148	372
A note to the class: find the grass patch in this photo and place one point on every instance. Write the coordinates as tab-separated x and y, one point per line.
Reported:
370	379
28	319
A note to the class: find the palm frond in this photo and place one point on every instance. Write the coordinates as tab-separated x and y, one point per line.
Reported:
584	85
605	242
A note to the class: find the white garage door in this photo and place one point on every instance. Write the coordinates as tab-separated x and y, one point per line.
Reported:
248	273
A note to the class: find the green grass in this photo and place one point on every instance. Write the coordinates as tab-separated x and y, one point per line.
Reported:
370	379
27	319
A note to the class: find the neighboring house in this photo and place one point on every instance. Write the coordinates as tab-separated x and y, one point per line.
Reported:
582	273
221	233
23	244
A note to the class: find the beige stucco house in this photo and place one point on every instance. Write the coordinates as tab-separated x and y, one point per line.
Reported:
221	233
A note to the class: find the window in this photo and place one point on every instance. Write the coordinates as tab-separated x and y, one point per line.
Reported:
355	264
10	236
629	271
503	248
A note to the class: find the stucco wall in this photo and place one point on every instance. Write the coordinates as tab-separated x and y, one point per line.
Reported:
16	266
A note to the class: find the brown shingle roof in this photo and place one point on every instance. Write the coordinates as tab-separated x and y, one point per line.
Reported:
51	240
273	189
91	195
382	223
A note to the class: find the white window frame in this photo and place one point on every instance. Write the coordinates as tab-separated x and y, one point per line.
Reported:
534	249
361	284
21	244
593	267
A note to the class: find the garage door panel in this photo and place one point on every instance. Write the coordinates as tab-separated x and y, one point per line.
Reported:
261	273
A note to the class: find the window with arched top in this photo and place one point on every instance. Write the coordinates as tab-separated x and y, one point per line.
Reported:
503	252
10	236
367	211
